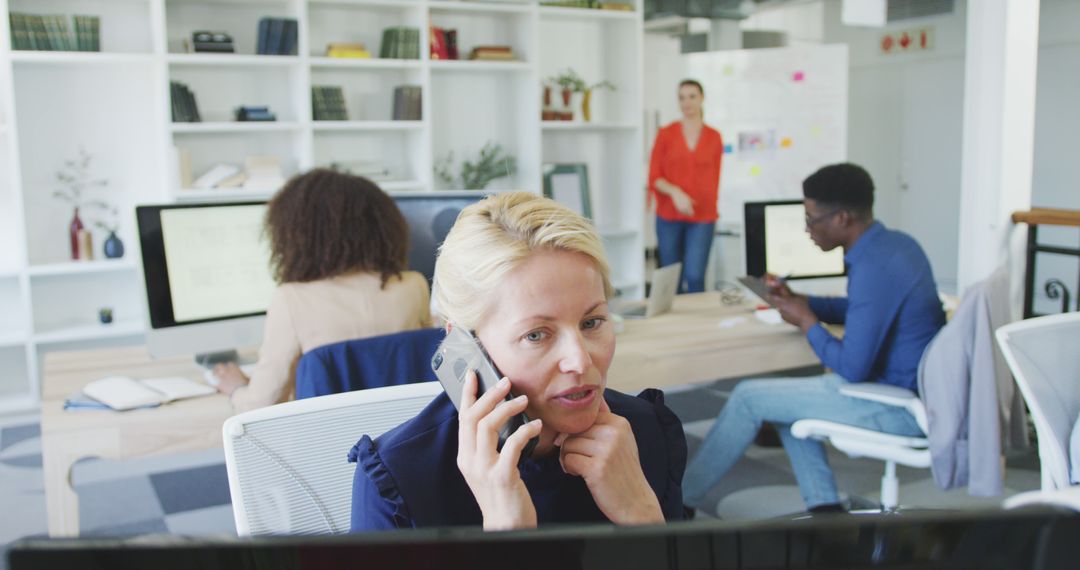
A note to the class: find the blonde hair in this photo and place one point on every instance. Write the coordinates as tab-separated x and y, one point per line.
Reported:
494	236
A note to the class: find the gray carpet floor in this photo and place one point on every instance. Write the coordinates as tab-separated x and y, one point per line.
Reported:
188	493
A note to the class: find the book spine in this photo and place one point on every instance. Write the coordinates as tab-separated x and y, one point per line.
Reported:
264	32
291	29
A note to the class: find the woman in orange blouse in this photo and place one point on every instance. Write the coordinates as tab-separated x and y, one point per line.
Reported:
684	177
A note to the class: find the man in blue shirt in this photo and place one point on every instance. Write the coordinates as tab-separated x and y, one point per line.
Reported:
890	314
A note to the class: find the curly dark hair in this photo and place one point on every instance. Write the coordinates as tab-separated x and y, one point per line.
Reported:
324	223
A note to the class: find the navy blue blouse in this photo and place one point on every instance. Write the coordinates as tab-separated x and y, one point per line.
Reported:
408	477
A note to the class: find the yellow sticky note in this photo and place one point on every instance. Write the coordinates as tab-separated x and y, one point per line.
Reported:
729	70
785	142
755	170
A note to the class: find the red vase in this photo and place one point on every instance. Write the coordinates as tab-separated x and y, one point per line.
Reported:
74	229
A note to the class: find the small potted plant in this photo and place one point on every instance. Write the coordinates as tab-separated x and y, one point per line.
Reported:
569	83
492	163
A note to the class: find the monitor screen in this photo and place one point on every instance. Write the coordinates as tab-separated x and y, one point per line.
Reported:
430	219
777	243
204	262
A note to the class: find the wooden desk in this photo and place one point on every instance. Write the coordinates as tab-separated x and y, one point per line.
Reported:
685	346
689	345
67	437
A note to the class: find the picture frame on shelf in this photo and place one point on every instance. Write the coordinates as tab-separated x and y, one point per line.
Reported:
568	184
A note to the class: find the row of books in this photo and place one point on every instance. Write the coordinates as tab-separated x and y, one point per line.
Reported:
400	43
184	108
52	33
277	36
254	114
443	43
328	103
407	103
492	53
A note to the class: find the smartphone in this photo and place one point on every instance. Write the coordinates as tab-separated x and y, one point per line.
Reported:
460	352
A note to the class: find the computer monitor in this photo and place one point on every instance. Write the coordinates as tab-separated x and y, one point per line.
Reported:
207	274
430	219
1041	538
777	243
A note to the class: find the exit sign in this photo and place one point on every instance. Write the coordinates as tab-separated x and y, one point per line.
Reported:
906	41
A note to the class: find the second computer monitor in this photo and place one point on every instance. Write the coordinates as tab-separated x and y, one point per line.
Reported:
430	219
777	243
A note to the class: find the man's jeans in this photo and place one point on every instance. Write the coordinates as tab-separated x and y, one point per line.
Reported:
689	243
782	402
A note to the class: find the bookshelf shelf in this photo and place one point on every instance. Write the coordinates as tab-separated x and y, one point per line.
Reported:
479	7
403	187
13	338
480	66
583	126
357	63
232	60
587	14
235	127
80	267
80	58
403	4
223	194
339	126
90	331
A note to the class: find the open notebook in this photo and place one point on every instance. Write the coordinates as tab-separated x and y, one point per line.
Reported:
123	393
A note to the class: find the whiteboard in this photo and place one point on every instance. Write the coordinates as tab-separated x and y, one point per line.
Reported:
782	113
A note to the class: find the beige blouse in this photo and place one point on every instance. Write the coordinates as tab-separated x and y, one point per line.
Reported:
303	316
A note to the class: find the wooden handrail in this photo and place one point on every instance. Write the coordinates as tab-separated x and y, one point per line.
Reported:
1047	217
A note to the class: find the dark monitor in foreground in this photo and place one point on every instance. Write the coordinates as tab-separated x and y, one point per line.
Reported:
777	243
1040	539
430	219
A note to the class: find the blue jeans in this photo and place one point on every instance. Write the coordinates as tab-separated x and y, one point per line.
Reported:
782	402
688	242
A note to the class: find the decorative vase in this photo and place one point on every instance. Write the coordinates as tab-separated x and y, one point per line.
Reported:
586	114
113	248
74	228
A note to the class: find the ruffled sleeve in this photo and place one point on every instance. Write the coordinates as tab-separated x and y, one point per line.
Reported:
671	500
376	502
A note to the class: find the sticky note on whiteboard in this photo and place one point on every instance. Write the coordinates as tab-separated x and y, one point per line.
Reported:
755	170
785	142
798	76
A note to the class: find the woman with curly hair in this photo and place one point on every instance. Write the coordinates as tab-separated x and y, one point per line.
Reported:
338	251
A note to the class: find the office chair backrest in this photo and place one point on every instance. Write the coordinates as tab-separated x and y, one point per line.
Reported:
288	464
387	360
1044	356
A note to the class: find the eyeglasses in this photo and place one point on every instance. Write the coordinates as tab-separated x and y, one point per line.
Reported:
810	221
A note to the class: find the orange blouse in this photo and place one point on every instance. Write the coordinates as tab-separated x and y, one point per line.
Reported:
696	171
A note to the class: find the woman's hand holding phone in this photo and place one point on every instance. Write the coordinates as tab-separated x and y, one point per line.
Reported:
491	474
606	456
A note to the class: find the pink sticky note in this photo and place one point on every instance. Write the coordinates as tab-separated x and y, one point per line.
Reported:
798	76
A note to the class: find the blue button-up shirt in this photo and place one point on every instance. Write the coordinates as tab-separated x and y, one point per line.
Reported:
890	314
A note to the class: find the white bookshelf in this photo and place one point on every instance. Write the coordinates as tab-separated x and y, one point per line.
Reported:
116	103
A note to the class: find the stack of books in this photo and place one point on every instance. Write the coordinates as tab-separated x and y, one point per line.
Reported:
400	43
347	50
252	113
443	43
328	103
492	53
51	33
212	42
184	108
407	103
277	36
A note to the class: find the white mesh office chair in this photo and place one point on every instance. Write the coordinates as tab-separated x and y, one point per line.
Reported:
287	464
1044	356
859	442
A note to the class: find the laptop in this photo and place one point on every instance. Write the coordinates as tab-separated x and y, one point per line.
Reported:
665	283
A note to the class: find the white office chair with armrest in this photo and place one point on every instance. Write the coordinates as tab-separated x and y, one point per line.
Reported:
287	464
860	442
1044	356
